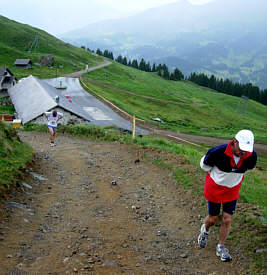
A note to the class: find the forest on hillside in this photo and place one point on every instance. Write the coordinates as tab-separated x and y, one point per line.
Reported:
226	86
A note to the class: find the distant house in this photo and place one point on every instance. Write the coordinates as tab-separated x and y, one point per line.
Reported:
7	79
23	63
43	97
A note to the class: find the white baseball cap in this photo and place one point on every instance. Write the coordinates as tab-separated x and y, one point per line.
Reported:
245	139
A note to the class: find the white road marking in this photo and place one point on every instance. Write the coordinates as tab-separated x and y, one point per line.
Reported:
96	113
74	93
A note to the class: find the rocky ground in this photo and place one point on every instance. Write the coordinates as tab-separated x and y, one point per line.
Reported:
88	207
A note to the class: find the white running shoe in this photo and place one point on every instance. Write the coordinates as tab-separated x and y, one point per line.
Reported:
223	253
203	237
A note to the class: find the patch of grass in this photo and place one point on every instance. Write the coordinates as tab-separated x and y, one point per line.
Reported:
35	127
183	175
254	187
14	155
93	132
161	163
186	179
8	108
248	230
190	153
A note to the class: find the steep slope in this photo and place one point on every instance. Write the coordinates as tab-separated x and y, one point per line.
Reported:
14	156
20	41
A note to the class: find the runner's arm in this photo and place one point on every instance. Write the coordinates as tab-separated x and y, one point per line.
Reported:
60	115
46	114
204	166
208	161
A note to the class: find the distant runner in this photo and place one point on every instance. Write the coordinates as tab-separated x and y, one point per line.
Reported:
53	118
225	166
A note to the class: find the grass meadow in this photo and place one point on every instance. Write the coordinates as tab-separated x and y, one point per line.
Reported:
181	105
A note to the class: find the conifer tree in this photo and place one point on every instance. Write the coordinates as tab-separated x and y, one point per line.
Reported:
166	73
119	59
106	53
159	69
142	65
148	67
135	64
124	61
263	97
176	75
99	52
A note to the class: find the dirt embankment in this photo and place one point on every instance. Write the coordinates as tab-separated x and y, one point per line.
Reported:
104	208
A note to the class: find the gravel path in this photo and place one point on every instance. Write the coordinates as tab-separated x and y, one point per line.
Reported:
104	208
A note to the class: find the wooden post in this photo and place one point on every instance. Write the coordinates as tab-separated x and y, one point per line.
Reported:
133	126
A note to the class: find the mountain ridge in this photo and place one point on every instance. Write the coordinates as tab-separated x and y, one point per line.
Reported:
184	31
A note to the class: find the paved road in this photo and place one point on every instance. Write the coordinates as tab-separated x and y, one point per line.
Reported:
98	113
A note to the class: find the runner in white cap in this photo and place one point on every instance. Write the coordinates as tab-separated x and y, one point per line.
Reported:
225	166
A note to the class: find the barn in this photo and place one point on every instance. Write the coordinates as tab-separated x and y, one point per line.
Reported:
23	63
32	97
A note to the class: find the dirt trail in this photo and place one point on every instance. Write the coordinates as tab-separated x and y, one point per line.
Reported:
79	73
105	209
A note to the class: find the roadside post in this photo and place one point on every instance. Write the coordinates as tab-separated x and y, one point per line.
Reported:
133	126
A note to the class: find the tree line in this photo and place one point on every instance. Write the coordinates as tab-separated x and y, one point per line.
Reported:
161	69
229	87
218	84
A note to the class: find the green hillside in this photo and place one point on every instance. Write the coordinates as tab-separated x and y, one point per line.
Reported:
16	39
182	106
14	155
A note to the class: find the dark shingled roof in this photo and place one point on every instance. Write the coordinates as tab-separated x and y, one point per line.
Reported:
22	62
3	70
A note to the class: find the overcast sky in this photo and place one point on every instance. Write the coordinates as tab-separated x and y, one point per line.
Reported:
59	16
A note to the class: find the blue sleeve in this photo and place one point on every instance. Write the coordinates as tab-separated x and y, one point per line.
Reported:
252	161
213	154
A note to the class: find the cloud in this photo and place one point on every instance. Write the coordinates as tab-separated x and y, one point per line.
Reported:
58	16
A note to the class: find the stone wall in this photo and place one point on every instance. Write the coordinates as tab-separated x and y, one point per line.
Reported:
68	118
